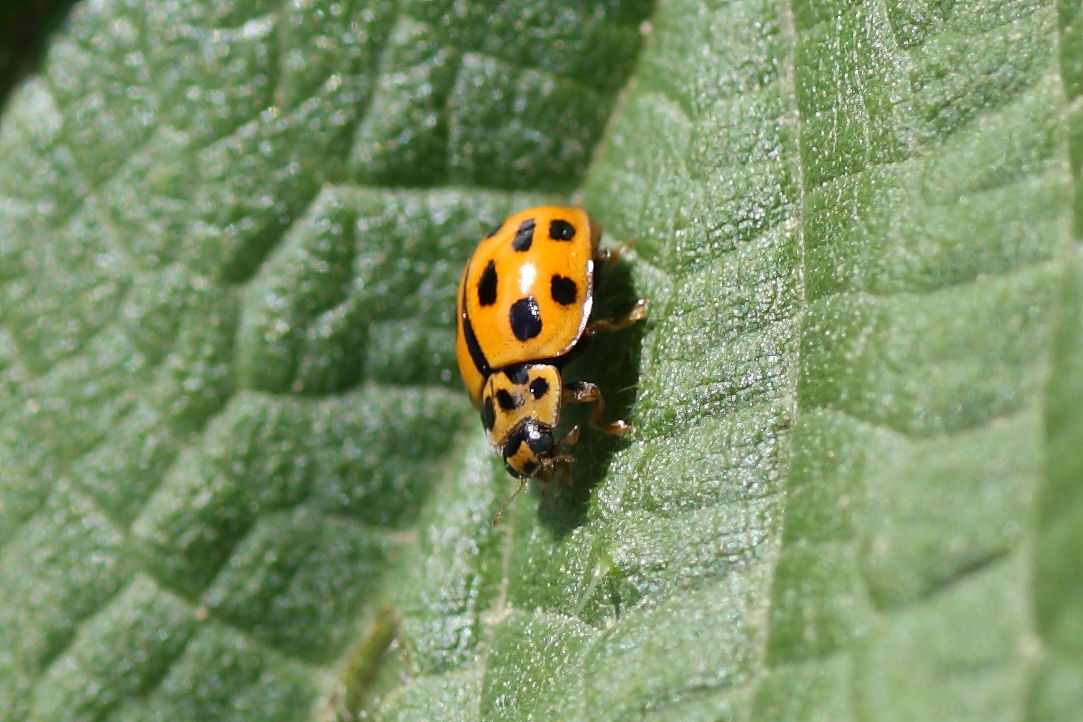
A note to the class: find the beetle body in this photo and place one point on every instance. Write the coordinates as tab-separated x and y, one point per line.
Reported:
524	305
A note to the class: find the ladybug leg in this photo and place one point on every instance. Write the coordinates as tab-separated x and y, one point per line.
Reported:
557	473
584	392
638	313
558	469
564	470
605	256
571	438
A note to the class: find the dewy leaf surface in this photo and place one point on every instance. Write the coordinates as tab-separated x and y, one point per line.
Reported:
236	463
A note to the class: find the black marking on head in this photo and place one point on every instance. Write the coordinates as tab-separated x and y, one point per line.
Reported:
507	401
539	387
487	285
525	318
524	236
563	290
472	345
560	230
517	374
511	445
529	469
488	415
538	436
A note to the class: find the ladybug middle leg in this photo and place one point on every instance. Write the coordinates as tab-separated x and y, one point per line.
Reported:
604	257
584	392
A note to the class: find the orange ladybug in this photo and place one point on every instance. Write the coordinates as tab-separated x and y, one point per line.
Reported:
524	304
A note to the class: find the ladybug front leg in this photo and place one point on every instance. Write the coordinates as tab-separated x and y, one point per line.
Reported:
555	472
604	256
584	392
558	469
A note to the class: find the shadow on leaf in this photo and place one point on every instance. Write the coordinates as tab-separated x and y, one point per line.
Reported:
24	28
612	361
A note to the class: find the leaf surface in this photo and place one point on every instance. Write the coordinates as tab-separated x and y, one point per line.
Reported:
237	463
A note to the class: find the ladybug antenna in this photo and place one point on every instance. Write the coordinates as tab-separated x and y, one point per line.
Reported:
500	514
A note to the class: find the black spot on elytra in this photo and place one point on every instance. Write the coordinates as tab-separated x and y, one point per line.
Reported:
525	318
539	388
563	290
507	401
488	415
487	285
472	345
517	374
524	236
561	230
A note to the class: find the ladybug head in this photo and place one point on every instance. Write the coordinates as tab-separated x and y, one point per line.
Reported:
528	448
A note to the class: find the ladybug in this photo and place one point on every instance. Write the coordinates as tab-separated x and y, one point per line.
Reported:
524	306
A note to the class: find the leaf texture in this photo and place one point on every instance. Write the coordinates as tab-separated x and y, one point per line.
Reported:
239	479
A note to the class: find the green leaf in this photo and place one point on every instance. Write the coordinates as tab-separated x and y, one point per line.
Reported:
238	476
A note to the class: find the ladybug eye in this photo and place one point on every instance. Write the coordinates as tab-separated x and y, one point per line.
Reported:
538	437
